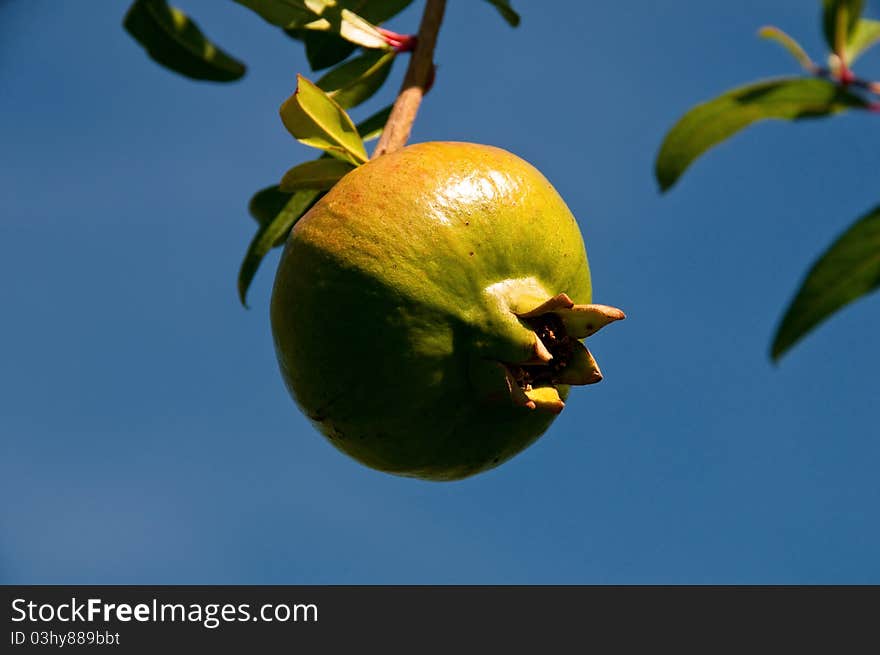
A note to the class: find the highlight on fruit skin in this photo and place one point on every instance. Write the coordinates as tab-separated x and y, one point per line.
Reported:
429	312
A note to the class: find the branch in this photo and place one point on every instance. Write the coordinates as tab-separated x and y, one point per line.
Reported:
418	76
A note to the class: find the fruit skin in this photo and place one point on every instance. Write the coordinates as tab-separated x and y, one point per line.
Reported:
384	329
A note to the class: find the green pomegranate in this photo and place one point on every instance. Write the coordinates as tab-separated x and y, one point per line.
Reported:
428	311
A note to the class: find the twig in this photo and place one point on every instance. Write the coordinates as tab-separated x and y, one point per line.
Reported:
417	78
850	80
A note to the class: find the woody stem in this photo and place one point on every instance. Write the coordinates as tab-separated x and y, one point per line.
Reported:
418	75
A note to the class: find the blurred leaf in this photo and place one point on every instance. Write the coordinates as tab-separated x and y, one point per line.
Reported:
316	120
711	123
848	270
270	233
176	42
358	79
284	13
266	203
327	16
866	35
292	14
504	8
787	42
839	20
372	127
378	11
319	175
325	49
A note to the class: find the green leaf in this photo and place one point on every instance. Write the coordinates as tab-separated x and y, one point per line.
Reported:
277	211
848	270
269	235
787	42
176	42
504	8
866	35
372	127
709	124
358	79
839	20
267	202
316	120
319	175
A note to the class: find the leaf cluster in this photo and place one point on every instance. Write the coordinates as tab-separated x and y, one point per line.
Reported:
344	39
850	267
341	35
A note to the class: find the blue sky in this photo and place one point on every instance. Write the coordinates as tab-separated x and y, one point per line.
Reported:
145	433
